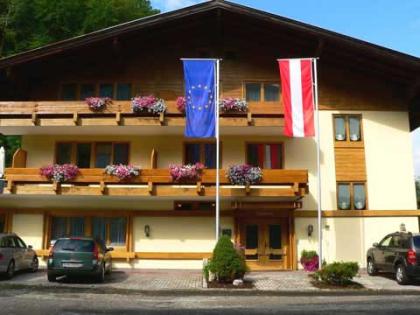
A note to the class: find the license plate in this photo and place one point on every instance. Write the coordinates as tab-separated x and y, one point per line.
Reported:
72	265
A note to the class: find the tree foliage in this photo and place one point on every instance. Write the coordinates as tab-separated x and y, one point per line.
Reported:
28	24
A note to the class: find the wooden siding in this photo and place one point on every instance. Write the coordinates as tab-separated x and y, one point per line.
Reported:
350	164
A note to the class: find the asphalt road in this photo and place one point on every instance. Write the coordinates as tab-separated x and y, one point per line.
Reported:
24	302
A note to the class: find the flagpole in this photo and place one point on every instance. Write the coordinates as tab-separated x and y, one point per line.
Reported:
217	150
318	163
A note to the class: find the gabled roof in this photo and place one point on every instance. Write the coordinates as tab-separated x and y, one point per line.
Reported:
62	46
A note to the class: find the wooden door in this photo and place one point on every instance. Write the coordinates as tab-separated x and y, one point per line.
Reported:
266	243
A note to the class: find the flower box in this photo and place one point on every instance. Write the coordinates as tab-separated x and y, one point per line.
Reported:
244	174
180	104
233	105
97	103
309	260
148	104
186	173
60	173
123	172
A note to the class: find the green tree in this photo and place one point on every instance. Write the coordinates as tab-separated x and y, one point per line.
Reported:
28	24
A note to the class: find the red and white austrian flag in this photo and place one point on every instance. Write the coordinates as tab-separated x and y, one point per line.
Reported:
297	95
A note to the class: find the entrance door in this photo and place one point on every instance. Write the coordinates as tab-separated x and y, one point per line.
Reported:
266	243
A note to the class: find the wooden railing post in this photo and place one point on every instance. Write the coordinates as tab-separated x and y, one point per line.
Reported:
153	159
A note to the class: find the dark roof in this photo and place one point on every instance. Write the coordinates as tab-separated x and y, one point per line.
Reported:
58	47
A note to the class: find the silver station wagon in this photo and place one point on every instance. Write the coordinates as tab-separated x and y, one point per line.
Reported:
15	255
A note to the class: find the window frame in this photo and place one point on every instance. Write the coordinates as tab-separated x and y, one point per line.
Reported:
351	185
3	220
347	142
92	150
202	150
194	205
96	88
281	143
262	84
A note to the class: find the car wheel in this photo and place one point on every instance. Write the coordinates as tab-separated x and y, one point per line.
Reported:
51	277
371	268
35	264
100	278
401	275
10	270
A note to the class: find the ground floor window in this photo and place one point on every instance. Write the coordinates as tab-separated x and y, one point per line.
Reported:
2	223
112	230
351	196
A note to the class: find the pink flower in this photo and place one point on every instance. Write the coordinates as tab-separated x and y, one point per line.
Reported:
180	104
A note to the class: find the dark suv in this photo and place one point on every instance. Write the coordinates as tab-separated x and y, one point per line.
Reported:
398	253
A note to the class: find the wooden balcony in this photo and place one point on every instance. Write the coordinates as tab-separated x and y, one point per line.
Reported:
119	113
155	182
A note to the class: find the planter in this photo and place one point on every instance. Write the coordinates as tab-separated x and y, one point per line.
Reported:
97	104
310	264
186	174
123	172
244	174
148	105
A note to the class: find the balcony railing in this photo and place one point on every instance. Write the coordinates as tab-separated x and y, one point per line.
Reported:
156	182
119	113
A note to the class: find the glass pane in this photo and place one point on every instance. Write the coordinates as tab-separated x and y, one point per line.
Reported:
83	155
251	240
192	153
252	155
58	227
117	231
121	153
253	92
340	129
75	245
87	90
344	196
123	91
354	125
274	236
77	226
2	224
63	153
68	92
271	92
386	241
99	228
359	196
210	155
276	152
106	90
103	154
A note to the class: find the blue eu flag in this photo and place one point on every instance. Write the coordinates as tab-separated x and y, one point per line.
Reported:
200	100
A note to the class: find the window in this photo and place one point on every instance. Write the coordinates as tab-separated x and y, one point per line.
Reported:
351	196
103	153
19	243
7	242
200	152
69	92
87	90
67	227
194	205
106	90
2	223
262	92
111	230
268	155
348	128
386	241
123	91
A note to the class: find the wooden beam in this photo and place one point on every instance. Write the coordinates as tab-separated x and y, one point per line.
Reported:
19	159
356	213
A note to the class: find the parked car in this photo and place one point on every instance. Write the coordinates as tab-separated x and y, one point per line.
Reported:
398	253
82	256
15	255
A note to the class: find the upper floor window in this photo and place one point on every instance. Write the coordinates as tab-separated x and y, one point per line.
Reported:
351	196
69	92
265	155
194	205
262	92
118	91
347	128
96	154
203	152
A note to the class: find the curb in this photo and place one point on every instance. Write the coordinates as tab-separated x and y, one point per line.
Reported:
202	292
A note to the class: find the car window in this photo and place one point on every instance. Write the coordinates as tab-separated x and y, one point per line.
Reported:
386	241
19	243
395	241
7	242
75	245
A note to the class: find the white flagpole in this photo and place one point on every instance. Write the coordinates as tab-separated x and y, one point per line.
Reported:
217	150
318	162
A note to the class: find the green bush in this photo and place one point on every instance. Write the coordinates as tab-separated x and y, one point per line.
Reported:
308	254
227	264
338	273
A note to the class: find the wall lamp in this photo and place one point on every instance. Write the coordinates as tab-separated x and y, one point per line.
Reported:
310	230
147	230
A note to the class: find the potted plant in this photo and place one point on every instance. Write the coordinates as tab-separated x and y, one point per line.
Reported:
244	174
97	103
180	104
233	105
148	104
60	173
186	173
123	172
309	260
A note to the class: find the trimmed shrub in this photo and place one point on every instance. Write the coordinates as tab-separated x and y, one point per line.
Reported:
227	264
338	273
